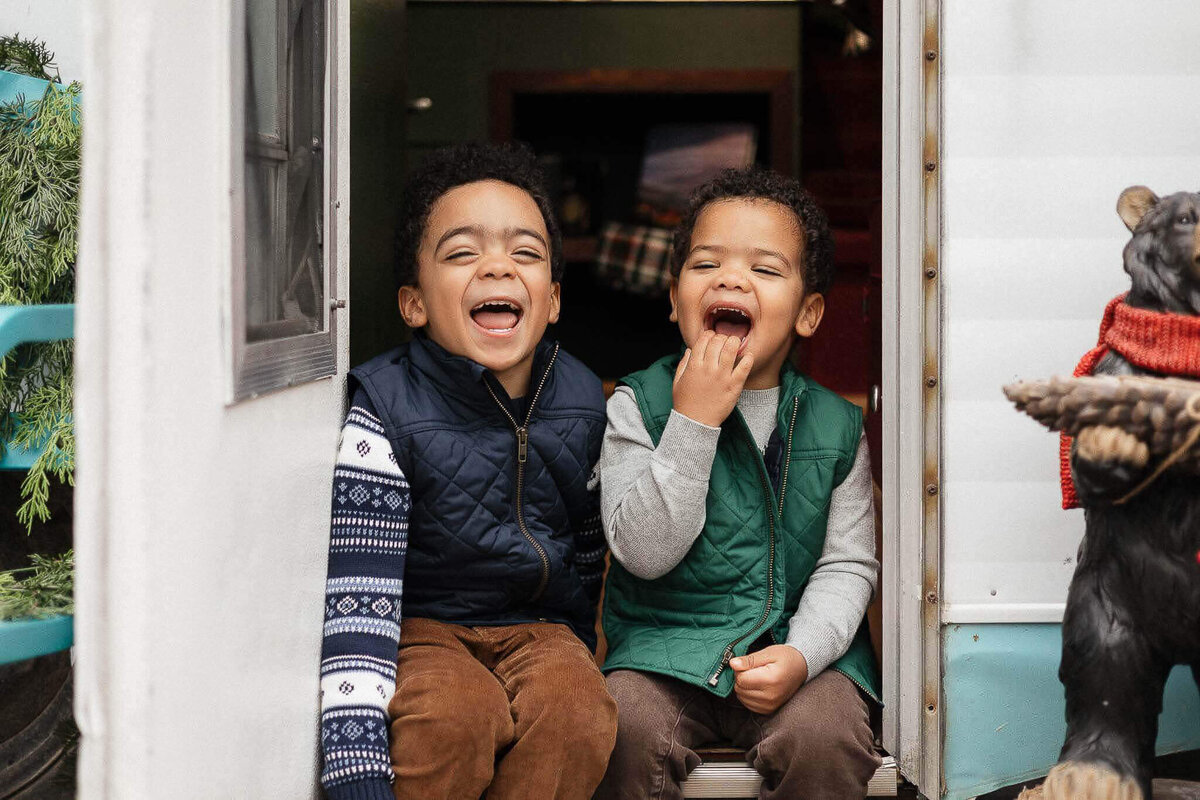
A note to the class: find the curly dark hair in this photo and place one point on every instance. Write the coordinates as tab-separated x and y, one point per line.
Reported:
763	184
444	169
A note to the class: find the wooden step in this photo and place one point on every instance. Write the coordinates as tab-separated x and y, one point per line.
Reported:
737	779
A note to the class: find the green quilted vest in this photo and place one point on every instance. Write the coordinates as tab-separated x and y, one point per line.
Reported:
746	571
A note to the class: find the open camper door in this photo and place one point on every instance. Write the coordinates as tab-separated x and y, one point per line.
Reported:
1010	131
210	377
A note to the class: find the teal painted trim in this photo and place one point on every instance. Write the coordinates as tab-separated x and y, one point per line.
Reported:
17	459
1004	707
29	638
22	324
13	85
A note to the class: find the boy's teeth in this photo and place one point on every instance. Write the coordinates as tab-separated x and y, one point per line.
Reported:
731	322
498	316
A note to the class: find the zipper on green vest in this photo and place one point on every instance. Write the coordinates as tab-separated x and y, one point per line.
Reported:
787	455
522	432
715	678
856	682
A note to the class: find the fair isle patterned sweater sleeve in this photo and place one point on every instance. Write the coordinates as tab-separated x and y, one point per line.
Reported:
590	548
368	540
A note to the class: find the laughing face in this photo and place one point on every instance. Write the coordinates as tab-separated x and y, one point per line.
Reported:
744	277
484	288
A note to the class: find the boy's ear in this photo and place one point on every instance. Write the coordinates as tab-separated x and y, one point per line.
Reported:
412	307
812	308
674	317
555	301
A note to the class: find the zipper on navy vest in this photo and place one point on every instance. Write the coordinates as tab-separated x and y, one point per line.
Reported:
715	678
522	432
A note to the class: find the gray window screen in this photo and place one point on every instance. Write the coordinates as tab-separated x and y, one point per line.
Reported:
282	324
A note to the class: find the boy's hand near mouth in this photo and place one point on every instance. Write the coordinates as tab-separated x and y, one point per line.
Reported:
710	377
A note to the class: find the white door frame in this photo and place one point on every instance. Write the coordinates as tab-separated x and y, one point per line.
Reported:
911	395
201	529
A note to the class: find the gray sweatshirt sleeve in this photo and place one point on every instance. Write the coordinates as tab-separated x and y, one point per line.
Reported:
837	594
652	498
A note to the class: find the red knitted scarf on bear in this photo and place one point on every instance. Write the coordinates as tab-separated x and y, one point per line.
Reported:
1152	340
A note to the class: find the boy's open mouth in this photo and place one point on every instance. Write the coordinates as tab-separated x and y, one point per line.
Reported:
728	321
497	316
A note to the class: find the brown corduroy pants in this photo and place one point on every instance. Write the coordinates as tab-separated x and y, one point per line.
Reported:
516	711
816	746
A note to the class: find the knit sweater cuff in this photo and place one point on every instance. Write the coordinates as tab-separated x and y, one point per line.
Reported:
819	648
688	447
367	789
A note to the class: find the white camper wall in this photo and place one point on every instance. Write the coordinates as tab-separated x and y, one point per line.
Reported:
201	528
1050	110
58	23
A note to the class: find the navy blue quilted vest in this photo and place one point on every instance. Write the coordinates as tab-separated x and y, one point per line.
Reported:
498	487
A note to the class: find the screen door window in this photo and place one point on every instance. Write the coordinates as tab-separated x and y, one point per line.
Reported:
282	272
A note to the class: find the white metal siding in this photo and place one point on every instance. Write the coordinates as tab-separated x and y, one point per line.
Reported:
201	529
1051	109
57	23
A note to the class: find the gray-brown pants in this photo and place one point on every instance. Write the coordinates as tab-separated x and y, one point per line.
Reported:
816	746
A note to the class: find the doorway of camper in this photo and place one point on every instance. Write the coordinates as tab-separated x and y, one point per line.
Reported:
627	106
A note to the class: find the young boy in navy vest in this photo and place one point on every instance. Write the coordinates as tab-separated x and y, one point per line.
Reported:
461	487
736	497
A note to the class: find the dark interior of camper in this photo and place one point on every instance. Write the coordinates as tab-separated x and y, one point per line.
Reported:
600	90
606	94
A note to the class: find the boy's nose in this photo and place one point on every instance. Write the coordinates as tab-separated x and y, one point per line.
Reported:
496	267
731	278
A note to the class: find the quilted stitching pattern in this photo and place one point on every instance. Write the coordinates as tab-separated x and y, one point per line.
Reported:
661	625
468	559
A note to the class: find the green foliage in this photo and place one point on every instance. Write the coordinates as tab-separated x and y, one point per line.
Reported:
41	590
39	220
27	57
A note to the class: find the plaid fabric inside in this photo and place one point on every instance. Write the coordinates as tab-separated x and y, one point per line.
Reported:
635	258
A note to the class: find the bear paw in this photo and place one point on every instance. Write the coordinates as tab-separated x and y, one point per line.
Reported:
1103	443
1074	780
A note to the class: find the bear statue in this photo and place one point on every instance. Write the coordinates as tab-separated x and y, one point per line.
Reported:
1133	608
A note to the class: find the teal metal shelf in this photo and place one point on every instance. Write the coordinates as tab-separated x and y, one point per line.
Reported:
30	638
23	324
13	86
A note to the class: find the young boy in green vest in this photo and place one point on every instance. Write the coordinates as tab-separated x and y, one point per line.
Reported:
736	498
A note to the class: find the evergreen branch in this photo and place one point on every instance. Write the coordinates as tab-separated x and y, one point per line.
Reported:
27	57
40	143
41	590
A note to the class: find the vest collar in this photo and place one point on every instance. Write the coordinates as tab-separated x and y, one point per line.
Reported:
792	383
464	377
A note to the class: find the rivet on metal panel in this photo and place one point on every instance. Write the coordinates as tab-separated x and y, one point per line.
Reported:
931	381
930	55
931	489
930	166
931	273
930	708
931	597
336	304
